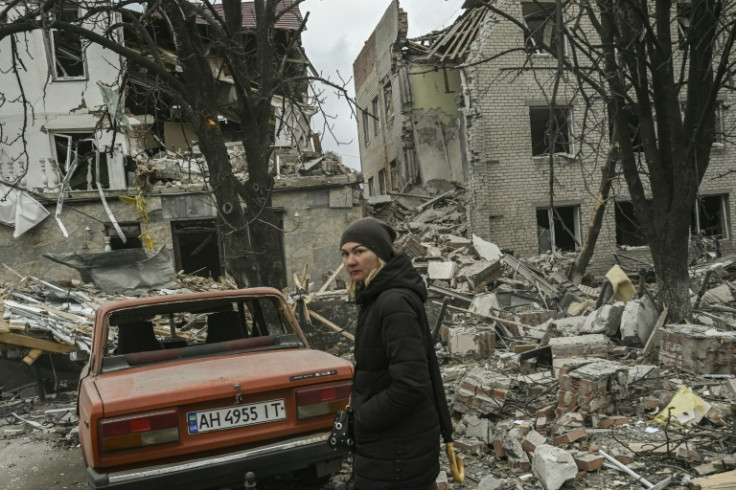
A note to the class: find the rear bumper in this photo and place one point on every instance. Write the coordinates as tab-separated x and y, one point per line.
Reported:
281	457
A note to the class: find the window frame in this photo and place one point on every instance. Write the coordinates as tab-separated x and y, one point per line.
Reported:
388	101
382	184
376	116
543	19
568	143
552	218
51	42
366	129
624	210
722	217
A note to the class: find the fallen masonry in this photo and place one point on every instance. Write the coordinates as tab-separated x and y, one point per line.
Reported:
551	384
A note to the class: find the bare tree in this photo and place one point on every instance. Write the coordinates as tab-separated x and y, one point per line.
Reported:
199	61
623	54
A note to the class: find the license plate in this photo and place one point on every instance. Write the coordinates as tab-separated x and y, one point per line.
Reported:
237	416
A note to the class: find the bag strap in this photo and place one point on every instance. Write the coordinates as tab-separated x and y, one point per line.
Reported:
438	388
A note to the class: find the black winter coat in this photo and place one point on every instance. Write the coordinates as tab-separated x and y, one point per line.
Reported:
397	431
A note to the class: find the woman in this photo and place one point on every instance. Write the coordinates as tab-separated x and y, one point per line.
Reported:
397	431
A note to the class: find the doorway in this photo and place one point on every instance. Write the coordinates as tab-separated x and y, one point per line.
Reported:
197	247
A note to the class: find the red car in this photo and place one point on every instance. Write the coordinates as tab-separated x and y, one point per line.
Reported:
195	390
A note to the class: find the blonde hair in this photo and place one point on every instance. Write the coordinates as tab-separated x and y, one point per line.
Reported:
353	286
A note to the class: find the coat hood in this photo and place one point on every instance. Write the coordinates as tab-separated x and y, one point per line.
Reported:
397	273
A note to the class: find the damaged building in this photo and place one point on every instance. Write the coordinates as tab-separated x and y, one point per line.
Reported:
448	105
142	186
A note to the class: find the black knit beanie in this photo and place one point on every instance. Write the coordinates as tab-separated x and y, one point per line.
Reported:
372	233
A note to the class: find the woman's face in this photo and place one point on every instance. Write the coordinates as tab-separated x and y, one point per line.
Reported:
358	260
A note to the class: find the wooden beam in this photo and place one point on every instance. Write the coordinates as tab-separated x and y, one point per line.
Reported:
35	343
32	356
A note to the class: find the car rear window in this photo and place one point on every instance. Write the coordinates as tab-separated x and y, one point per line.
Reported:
180	329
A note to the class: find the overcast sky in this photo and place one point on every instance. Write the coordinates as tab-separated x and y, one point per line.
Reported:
336	32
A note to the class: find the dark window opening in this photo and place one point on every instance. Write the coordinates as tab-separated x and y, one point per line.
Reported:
540	19
558	139
382	181
77	153
371	187
628	228
196	248
132	232
66	47
388	101
394	169
366	129
564	236
710	217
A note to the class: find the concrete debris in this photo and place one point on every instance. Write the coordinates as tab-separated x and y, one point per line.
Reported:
553	466
543	376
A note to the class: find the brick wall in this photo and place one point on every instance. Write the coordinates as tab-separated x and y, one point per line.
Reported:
507	184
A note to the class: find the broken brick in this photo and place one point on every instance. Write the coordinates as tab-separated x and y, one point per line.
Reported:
588	462
570	437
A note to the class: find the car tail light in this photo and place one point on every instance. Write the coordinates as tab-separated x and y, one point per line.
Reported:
142	430
313	402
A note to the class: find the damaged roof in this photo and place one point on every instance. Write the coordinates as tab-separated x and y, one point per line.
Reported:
290	18
454	44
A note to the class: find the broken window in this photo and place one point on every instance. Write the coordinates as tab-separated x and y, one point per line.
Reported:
65	49
550	129
382	181
388	101
77	153
564	235
628	228
366	129
710	216
540	20
371	187
132	232
376	116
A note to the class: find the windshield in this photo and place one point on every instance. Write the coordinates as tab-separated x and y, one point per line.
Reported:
180	329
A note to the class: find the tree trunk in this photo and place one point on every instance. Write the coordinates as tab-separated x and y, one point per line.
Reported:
670	257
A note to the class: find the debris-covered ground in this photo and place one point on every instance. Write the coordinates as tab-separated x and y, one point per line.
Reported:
551	384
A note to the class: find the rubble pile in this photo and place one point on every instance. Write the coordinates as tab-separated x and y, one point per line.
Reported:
551	384
554	384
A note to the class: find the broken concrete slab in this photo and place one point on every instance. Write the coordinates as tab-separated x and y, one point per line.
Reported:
638	321
553	466
479	274
486	250
605	320
593	345
441	271
479	428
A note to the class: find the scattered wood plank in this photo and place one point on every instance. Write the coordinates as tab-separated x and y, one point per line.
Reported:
36	343
32	356
721	481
